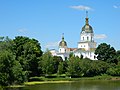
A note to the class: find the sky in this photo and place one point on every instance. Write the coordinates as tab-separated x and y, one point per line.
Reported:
46	20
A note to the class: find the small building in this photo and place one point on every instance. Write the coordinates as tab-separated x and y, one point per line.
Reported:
63	50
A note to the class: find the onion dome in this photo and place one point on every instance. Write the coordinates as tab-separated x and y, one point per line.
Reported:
87	28
63	43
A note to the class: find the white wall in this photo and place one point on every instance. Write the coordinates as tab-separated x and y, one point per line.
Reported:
83	45
62	50
87	37
63	55
89	55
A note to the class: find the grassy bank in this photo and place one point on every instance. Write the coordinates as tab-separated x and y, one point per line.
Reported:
42	80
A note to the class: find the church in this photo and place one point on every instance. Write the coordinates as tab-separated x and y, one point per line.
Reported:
86	45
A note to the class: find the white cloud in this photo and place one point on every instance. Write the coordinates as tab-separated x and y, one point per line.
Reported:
100	36
115	6
52	44
81	7
22	30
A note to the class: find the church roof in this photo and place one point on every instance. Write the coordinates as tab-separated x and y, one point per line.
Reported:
87	28
83	50
63	43
71	49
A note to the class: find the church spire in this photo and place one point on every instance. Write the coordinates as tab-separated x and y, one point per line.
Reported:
86	14
87	18
62	36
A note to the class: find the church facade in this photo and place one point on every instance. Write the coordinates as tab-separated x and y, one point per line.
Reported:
86	46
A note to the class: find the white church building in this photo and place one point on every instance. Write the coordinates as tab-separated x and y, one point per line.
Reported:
86	46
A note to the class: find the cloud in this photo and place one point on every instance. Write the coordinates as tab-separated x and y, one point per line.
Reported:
81	7
100	36
52	44
22	30
115	6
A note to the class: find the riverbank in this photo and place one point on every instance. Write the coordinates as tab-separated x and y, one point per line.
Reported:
73	85
43	80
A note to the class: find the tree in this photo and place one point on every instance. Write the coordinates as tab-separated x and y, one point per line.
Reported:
56	61
60	68
10	70
71	55
85	65
106	53
74	69
6	44
28	53
46	63
96	68
118	56
114	71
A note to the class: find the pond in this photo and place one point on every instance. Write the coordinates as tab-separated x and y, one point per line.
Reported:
80	85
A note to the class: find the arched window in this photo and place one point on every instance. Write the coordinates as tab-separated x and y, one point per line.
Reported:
83	38
87	38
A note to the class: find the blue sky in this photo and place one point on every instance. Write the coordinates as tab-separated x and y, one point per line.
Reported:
46	20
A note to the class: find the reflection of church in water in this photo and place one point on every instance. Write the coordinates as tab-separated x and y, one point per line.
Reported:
86	46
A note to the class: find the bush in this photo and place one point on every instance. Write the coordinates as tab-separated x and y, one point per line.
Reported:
114	71
36	79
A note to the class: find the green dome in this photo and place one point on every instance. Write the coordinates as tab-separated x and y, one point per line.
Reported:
62	43
87	28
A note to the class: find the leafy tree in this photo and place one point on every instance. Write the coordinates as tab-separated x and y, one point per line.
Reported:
46	63
74	69
56	61
10	70
60	68
118	55
6	44
65	66
106	53
114	70
97	68
85	65
71	55
28	53
1	39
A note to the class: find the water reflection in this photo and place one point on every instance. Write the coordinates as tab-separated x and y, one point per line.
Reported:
81	85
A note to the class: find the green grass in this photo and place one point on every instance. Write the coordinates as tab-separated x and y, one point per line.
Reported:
64	79
38	82
16	86
67	79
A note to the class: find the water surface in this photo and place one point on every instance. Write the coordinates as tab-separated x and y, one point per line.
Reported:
81	85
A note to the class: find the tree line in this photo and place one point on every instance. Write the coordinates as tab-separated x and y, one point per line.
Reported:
22	58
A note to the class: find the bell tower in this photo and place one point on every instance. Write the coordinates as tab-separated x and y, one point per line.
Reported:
87	36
